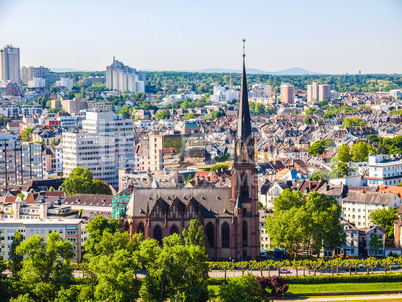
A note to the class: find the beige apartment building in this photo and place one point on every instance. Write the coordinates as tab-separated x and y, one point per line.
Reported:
287	93
318	92
73	106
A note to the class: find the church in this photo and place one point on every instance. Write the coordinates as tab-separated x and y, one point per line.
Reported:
229	215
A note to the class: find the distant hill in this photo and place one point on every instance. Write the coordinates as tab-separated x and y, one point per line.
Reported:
69	70
291	71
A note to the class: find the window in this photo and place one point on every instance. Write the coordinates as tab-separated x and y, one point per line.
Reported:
245	233
210	230
225	235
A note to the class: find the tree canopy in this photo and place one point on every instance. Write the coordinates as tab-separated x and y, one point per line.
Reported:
385	218
301	223
80	181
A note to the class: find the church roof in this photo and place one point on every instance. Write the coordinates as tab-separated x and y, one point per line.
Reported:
210	202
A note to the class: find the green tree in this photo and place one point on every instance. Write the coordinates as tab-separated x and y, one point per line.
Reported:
188	116
26	135
372	138
259	109
216	113
339	170
244	288
15	258
96	228
360	151
319	175
375	243
344	153
179	273
195	234
310	111
352	122
308	120
46	266
385	218
78	182
162	114
100	187
310	223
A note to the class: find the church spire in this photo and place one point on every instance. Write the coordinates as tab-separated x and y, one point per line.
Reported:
244	125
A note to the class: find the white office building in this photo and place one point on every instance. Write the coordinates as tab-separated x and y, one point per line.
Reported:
261	91
105	145
93	151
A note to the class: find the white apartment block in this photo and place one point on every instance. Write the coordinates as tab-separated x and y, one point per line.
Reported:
395	93
224	94
358	205
68	121
65	82
99	106
261	91
383	171
37	83
69	229
93	151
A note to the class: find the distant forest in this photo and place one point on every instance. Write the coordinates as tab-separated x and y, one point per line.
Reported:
194	81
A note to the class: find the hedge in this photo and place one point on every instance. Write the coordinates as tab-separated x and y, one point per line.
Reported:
359	278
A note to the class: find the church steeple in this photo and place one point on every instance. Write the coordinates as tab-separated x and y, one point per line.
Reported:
244	125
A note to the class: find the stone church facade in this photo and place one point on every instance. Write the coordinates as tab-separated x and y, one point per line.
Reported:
229	215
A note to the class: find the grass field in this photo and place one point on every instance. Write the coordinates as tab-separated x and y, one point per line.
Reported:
343	287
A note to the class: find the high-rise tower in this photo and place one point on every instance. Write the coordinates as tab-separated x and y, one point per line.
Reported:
10	64
244	180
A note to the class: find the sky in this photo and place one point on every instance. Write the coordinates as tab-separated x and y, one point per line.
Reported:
342	36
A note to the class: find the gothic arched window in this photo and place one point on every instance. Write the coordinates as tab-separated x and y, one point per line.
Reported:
245	234
211	234
140	228
225	235
158	234
174	230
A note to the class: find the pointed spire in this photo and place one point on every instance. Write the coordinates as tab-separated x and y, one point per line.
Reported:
244	126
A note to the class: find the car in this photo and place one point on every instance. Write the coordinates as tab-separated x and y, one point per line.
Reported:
395	266
285	271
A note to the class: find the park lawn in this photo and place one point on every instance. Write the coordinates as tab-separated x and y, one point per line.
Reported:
343	287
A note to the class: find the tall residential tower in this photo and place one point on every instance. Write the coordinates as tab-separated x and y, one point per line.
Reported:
10	64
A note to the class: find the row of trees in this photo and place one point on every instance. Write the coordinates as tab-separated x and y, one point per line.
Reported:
307	265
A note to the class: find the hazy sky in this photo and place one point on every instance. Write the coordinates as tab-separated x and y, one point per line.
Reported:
322	36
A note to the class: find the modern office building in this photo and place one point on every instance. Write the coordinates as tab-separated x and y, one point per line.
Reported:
10	64
93	151
105	145
19	162
106	123
99	106
124	78
318	92
287	93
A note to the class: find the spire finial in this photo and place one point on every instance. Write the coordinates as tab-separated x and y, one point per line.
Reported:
244	48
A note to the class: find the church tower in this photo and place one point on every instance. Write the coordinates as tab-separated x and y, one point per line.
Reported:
245	182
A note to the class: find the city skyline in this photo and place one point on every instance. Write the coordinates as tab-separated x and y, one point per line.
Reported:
333	38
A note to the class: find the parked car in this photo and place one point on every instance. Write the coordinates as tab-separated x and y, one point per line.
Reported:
285	271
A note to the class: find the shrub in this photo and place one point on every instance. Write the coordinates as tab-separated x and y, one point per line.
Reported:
244	288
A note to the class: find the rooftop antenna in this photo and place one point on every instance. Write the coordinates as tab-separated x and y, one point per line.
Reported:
244	48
